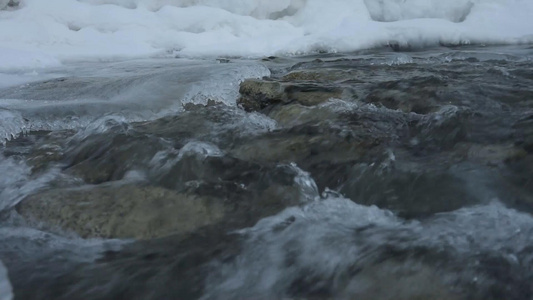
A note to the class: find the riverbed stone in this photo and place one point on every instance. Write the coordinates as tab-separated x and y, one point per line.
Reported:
258	94
400	281
126	211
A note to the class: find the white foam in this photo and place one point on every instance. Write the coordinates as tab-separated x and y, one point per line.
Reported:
42	33
20	183
6	291
330	238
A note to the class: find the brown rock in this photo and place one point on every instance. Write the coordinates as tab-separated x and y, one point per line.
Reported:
125	211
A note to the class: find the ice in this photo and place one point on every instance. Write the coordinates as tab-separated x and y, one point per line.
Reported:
11	125
41	34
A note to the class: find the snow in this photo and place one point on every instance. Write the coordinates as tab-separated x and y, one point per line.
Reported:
43	34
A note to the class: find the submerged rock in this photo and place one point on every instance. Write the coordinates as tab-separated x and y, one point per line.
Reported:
524	132
419	95
400	281
128	211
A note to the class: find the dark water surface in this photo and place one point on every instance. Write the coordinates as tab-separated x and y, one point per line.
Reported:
369	175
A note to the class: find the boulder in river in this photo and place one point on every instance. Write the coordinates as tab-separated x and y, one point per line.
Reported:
127	211
257	94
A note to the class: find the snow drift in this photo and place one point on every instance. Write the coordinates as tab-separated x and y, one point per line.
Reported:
43	33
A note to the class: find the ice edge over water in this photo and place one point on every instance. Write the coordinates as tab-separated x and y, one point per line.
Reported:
42	33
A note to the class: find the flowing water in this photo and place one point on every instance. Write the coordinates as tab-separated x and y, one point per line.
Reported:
144	179
249	149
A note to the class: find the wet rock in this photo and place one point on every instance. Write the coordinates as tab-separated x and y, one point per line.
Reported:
43	155
402	281
328	75
440	130
106	157
127	211
218	124
249	190
291	115
492	155
193	107
524	133
305	145
312	94
258	94
412	190
519	176
417	95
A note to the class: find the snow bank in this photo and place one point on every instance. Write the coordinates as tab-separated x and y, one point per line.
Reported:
42	33
11	59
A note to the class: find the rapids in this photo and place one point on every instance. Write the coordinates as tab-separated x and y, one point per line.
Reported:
365	175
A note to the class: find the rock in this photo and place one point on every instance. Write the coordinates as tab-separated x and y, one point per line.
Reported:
524	132
400	281
519	191
106	157
328	75
295	114
413	190
291	115
419	94
311	94
441	130
42	156
248	190
303	144
258	94
125	211
193	106
492	155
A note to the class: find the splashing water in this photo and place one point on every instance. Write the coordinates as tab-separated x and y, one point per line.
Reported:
6	292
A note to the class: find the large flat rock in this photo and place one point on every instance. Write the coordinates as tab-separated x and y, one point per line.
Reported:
125	211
